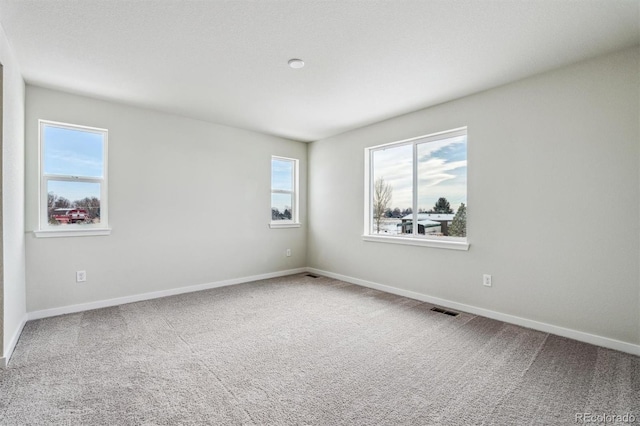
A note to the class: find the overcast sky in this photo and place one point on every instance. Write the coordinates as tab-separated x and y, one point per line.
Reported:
281	178
442	171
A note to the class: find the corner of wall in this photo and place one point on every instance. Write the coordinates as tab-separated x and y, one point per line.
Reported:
13	205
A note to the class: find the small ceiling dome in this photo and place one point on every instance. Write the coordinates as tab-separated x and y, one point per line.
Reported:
296	63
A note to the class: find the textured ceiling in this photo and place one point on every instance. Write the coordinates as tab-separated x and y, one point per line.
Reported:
226	61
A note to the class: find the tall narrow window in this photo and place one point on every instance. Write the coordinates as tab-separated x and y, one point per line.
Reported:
284	192
417	191
73	180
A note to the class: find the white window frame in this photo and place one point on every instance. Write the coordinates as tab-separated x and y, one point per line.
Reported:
71	230
414	239
295	195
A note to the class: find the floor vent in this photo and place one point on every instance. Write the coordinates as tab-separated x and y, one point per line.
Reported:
311	275
444	311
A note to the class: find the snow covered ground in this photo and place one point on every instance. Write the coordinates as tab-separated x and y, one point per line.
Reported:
388	226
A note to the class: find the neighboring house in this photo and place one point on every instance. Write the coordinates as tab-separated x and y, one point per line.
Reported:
70	215
430	223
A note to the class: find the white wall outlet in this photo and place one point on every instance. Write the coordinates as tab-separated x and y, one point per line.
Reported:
486	280
81	276
288	253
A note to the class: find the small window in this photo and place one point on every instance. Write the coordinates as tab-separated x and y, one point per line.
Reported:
284	192
417	191
73	180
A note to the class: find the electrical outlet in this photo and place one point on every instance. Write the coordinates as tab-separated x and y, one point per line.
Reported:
486	280
288	252
81	276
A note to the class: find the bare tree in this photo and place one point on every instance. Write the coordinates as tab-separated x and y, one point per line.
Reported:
91	205
55	202
382	192
51	202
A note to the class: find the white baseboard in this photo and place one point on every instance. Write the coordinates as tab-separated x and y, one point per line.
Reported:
511	319
4	361
524	322
70	309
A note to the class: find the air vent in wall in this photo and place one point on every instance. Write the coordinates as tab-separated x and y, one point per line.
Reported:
444	311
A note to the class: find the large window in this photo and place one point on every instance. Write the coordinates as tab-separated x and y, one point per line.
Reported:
417	191
73	180
284	192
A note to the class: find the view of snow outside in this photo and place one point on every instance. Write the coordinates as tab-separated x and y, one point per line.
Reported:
442	173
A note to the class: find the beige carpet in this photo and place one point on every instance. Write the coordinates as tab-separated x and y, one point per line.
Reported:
299	350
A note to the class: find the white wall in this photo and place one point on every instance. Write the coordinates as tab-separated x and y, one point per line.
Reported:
550	157
189	204
12	197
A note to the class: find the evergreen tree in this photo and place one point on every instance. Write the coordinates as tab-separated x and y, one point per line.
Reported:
442	206
458	227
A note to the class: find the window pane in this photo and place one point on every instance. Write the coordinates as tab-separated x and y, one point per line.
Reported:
73	202
281	206
72	152
282	174
442	187
392	190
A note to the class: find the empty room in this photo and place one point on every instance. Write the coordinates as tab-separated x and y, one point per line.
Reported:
288	212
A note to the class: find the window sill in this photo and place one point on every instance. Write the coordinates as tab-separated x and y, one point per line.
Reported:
423	242
275	225
54	233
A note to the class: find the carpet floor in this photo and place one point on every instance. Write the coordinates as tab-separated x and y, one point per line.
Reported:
299	350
